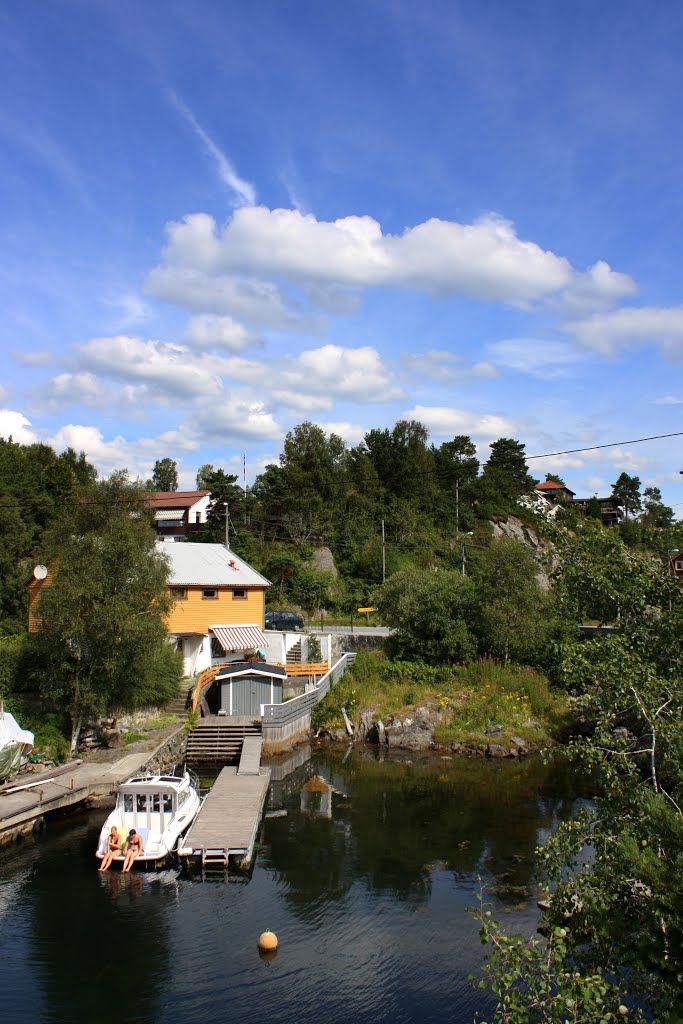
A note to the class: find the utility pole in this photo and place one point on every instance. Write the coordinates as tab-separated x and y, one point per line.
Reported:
463	553
227	526
457	509
384	561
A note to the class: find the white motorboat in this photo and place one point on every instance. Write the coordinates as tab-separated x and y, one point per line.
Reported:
160	808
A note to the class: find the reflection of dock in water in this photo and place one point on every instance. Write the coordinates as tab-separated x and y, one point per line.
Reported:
225	829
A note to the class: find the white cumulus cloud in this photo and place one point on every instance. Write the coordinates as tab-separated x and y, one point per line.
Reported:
83	388
333	371
169	369
484	260
210	331
446	422
609	333
15	425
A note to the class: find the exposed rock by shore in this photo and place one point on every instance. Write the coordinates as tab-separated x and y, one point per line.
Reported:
414	730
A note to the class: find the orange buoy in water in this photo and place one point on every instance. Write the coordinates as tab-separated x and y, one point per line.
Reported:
267	941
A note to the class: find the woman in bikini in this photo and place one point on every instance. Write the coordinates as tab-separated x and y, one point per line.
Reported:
113	848
133	849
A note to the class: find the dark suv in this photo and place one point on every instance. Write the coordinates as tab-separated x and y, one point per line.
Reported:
284	620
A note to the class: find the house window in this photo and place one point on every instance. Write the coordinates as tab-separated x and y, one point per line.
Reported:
209	595
179	593
239	595
679	565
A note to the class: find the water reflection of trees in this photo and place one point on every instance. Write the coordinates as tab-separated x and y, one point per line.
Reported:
399	821
100	941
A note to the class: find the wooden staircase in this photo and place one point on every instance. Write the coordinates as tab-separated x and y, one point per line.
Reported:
218	740
179	705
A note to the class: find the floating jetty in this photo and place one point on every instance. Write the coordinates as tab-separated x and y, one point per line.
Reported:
225	829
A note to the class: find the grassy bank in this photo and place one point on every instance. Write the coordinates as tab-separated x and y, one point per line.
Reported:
470	698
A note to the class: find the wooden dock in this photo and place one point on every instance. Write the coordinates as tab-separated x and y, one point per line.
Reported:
226	826
25	803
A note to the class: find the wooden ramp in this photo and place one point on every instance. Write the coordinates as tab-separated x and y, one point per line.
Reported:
250	758
225	828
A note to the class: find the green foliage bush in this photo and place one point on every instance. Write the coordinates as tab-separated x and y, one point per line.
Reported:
12	650
328	711
49	736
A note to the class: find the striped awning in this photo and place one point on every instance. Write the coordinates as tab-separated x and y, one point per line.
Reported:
239	638
169	515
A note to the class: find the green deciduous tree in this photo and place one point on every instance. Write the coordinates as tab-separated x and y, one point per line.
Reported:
165	475
511	607
226	498
429	611
103	644
618	913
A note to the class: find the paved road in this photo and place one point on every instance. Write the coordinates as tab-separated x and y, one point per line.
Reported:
358	627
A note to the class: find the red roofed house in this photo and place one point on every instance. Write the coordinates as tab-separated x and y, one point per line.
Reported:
179	514
554	491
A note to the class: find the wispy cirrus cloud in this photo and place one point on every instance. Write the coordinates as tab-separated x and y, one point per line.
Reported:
244	190
539	357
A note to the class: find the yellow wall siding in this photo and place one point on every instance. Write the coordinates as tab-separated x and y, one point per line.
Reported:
195	613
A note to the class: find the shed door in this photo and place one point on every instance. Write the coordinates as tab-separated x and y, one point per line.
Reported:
248	694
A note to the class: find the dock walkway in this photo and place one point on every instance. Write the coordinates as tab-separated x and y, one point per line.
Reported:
226	826
33	796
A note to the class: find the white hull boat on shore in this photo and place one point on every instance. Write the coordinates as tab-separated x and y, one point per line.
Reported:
15	745
160	808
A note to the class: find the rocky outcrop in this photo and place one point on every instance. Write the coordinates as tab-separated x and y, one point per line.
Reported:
412	731
323	559
544	552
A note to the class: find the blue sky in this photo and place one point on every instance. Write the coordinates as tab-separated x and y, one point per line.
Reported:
220	219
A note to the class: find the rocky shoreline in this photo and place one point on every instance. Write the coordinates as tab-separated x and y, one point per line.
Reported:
414	730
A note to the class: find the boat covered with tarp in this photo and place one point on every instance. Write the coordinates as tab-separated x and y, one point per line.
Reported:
15	745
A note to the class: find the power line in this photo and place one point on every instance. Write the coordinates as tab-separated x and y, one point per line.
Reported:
614	444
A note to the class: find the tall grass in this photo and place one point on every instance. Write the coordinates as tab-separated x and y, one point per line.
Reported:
471	697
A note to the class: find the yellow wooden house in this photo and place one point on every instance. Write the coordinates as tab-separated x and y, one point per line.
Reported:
219	605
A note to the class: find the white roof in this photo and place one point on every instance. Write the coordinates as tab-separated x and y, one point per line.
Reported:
208	565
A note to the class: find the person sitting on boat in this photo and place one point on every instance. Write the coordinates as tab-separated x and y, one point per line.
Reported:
113	848
133	849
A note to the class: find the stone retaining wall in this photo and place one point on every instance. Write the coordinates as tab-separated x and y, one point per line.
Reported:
171	751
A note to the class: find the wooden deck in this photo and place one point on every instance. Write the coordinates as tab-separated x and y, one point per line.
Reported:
24	803
226	826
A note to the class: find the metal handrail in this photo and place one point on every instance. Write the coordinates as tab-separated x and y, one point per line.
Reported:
273	714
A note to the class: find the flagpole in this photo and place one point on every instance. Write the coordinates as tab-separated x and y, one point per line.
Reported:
244	477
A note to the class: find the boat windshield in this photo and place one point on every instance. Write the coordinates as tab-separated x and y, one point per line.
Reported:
141	803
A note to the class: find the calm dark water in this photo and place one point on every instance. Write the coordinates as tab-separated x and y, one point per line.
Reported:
366	885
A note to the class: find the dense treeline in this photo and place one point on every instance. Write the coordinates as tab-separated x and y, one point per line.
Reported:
393	503
36	485
426	500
